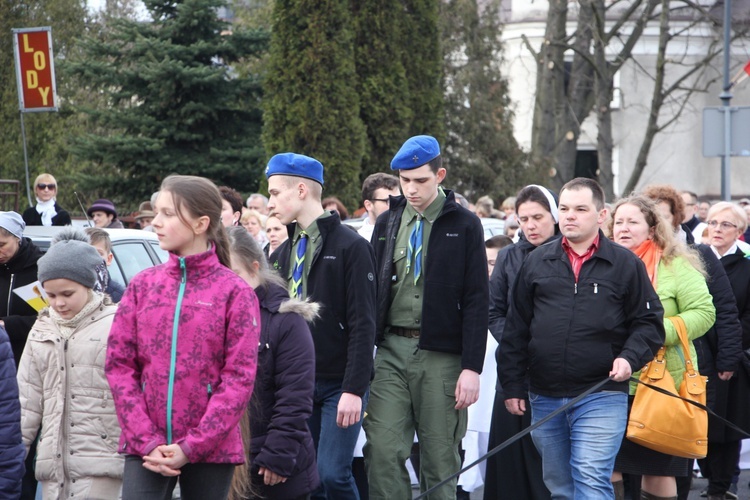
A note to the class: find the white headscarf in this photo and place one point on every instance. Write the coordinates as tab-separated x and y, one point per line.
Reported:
550	199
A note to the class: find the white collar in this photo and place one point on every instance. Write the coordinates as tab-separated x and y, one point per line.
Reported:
732	249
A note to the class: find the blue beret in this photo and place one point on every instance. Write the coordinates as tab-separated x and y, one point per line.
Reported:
297	165
417	151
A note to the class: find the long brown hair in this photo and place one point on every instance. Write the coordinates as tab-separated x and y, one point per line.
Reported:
664	236
199	197
242	487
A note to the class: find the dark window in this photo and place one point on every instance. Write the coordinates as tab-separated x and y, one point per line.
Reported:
587	164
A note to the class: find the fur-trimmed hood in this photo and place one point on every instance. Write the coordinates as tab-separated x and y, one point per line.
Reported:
276	299
308	310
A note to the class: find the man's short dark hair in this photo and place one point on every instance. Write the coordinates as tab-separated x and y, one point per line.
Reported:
461	200
233	197
693	196
377	181
579	183
436	163
498	241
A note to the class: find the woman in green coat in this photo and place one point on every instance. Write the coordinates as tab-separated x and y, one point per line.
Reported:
679	279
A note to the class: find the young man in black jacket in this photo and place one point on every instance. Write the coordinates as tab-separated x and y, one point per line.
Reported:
431	324
333	266
583	309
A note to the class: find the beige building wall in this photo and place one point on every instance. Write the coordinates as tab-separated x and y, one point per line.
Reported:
676	155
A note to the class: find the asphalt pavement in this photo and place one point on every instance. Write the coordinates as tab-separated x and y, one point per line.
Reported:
699	485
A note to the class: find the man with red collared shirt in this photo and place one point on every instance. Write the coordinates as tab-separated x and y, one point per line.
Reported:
583	309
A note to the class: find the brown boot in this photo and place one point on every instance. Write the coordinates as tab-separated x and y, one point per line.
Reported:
619	487
645	495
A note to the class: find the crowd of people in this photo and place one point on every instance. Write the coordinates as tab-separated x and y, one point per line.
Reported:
281	354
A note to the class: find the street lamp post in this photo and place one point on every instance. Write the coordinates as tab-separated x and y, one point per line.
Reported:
726	97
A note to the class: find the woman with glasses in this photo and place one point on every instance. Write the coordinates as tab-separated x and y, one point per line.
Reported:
47	212
719	349
726	222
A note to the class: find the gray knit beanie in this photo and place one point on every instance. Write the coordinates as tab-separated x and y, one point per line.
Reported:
70	259
13	223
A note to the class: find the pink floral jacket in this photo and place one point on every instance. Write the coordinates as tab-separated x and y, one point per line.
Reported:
181	359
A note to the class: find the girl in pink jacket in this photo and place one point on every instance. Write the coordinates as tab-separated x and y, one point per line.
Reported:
182	354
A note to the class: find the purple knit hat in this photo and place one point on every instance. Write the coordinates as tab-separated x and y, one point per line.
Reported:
102	205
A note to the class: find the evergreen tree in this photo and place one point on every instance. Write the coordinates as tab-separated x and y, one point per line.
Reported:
174	103
481	152
311	106
419	22
382	83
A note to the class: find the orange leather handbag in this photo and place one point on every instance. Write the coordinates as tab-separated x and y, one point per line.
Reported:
666	423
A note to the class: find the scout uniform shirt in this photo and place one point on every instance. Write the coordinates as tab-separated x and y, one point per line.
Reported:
406	302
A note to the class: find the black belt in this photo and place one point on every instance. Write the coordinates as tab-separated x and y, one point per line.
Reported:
410	333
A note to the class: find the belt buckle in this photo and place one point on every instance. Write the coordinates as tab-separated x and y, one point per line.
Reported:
411	333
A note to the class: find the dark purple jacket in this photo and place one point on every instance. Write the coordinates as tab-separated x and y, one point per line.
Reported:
12	451
283	396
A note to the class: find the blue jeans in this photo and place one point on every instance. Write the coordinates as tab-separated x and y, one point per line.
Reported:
335	445
579	445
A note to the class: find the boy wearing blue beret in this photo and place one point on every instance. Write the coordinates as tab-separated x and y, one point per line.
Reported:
431	326
335	267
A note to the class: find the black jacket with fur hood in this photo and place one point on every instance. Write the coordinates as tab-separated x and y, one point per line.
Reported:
283	395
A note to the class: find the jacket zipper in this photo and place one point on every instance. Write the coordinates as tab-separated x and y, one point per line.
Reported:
65	450
10	294
173	356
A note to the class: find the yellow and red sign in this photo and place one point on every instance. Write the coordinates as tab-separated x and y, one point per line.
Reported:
35	70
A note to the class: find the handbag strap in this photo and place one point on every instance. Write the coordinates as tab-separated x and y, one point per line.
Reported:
679	325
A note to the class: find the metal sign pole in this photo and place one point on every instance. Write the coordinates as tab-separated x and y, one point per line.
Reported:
26	160
726	97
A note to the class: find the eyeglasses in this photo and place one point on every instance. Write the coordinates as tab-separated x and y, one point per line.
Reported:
726	226
387	201
42	187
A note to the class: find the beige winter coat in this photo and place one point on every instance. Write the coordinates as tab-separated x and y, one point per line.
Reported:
64	390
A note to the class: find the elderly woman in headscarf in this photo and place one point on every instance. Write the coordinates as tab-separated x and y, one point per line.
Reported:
47	211
517	472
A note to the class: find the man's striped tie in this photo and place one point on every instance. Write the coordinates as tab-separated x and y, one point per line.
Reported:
299	266
415	249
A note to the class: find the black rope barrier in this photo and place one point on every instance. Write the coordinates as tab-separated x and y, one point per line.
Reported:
570	403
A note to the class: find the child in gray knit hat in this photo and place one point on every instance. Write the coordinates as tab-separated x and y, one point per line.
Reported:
70	338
